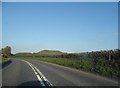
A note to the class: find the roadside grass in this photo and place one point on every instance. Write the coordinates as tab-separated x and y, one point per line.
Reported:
78	64
4	60
0	60
21	57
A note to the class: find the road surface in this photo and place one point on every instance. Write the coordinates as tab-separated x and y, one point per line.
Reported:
27	72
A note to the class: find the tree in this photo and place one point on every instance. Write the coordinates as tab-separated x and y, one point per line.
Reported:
6	51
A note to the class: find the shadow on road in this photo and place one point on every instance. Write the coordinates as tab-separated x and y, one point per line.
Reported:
32	84
5	64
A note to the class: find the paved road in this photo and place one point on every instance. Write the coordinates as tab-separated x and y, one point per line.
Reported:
27	72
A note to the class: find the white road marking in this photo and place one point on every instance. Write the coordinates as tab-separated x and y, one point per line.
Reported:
38	74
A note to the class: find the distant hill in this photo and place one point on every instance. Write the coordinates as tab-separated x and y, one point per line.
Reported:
24	54
50	53
42	53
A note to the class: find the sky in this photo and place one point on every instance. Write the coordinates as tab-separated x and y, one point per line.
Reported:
60	0
68	27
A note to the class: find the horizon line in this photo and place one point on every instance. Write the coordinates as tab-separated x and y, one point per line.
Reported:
65	51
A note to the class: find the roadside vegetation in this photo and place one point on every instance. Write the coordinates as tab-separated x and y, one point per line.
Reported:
0	60
4	54
105	63
4	60
81	64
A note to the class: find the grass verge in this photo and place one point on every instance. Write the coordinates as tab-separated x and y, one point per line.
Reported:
78	64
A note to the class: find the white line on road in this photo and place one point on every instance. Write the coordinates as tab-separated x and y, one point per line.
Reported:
39	75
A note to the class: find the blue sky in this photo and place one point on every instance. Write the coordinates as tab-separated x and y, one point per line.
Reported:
69	27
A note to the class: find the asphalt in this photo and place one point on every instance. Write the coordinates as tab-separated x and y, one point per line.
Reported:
19	73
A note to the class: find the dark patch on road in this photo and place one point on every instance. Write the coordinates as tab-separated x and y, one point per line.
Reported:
33	84
4	64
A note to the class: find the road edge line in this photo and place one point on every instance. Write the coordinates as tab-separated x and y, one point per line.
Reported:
38	74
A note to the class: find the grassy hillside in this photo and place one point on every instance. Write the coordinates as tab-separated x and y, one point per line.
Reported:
49	53
26	54
40	53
